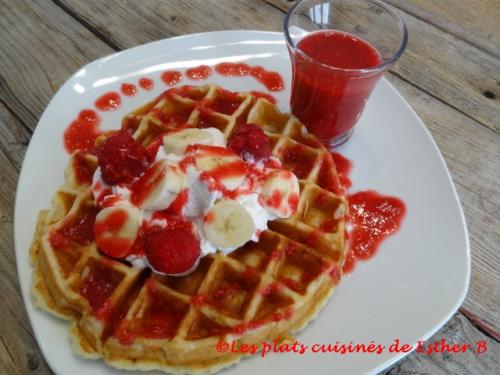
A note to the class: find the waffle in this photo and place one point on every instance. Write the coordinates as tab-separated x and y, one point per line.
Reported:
262	291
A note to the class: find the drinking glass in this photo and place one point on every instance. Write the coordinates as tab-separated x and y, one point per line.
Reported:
331	84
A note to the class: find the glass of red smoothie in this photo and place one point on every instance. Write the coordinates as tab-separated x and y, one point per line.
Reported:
339	50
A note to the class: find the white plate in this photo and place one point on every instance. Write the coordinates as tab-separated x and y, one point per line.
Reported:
408	290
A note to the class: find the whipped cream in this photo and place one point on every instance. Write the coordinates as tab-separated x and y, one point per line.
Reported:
192	179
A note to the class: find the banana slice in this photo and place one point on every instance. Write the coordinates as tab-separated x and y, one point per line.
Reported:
116	229
218	138
177	141
280	193
228	169
160	185
209	162
228	225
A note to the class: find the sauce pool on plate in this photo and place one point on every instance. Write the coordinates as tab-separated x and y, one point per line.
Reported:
128	89
171	77
372	217
82	132
108	102
146	83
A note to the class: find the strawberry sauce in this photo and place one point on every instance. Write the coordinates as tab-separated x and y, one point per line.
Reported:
199	73
343	166
227	102
83	171
373	217
98	286
272	80
108	102
74	230
179	202
162	319
128	89
146	83
143	187
171	77
260	94
106	238
82	132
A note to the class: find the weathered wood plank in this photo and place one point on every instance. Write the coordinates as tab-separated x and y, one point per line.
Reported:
19	352
157	19
448	68
41	47
457	331
475	21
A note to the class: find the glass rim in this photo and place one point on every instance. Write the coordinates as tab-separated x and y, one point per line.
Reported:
380	67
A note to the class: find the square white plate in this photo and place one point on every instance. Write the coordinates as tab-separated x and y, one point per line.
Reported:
413	285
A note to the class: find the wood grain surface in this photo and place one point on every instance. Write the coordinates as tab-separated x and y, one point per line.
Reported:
474	21
450	75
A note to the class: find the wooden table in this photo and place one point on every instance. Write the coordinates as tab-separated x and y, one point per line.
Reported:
450	74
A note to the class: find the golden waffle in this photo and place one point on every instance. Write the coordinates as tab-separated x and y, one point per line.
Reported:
261	291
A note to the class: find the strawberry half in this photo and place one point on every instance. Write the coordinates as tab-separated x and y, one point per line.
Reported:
172	250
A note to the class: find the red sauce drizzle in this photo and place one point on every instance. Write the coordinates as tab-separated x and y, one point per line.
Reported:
232	69
219	296
148	181
176	118
98	286
199	73
146	83
153	148
179	202
274	200
227	102
293	202
374	217
79	230
106	239
83	171
233	169
326	177
274	287
107	199
108	102
243	328
344	167
171	77
161	322
128	89
293	157
272	80
260	94
82	132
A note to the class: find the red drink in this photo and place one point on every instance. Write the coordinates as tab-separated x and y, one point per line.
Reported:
333	76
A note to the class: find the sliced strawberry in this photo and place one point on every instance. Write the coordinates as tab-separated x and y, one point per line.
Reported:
250	142
121	159
172	250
